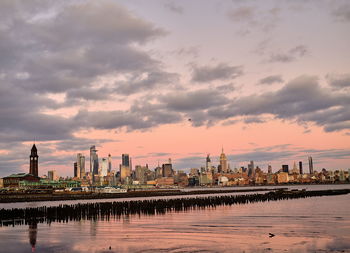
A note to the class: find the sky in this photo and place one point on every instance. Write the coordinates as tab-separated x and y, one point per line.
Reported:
267	81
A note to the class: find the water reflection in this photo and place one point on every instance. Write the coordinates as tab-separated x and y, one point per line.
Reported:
302	225
33	230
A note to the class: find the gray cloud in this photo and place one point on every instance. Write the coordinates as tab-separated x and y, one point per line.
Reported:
174	7
292	54
193	100
243	13
342	13
222	71
153	80
271	79
302	99
254	119
339	81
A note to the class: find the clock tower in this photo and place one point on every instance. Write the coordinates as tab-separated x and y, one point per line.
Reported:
33	168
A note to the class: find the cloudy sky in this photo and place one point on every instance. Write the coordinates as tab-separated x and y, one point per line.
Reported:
267	80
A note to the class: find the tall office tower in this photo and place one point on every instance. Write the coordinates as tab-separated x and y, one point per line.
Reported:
52	175
295	169
301	167
93	161
167	169
311	165
285	168
81	164
141	173
75	166
208	164
109	163
251	170
269	169
104	167
125	160
34	161
223	162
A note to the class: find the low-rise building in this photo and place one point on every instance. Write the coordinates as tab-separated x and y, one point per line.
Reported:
15	179
165	181
282	177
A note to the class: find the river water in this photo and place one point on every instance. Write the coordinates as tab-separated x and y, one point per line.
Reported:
320	224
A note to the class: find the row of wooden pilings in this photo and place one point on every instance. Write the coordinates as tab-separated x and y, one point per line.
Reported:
108	210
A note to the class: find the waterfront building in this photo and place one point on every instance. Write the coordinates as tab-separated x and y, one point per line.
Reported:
34	161
311	165
300	167
223	162
194	172
14	179
285	168
94	166
165	181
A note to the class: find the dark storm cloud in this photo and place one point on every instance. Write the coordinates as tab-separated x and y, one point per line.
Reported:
221	71
271	79
289	56
339	81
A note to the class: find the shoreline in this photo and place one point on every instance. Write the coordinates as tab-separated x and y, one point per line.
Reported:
132	194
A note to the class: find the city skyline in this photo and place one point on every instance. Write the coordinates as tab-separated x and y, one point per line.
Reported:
162	79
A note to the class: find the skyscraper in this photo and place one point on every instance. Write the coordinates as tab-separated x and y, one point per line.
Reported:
251	170
125	160
311	165
75	169
167	169
223	162
104	167
34	160
80	165
301	167
269	169
208	164
109	163
295	169
285	168
93	161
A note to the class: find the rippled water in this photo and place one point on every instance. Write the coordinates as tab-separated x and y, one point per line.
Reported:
320	224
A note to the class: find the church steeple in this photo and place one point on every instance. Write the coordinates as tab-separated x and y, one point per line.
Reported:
33	161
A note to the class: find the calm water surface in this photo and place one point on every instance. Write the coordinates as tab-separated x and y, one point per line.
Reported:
320	224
